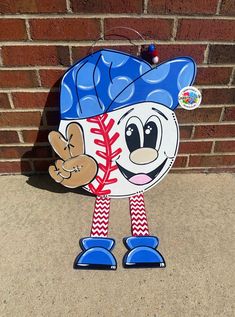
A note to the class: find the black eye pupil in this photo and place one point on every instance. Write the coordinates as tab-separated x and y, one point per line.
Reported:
132	137
150	134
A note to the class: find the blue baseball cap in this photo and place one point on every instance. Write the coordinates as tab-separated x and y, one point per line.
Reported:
108	80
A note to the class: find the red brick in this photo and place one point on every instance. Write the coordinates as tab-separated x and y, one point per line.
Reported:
104	6
213	75
42	165
212	160
4	101
10	152
64	29
229	114
227	7
224	146
20	119
35	100
218	96
180	161
182	7
33	6
214	131
198	29
170	51
14	167
35	55
185	131
53	118
149	28
8	137
195	147
221	54
198	115
12	29
51	77
80	52
35	136
18	78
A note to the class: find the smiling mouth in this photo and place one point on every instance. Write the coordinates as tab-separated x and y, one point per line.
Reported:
141	178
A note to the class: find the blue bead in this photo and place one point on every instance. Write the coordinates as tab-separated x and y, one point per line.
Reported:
151	48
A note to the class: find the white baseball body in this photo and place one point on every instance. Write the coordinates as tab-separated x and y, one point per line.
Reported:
134	147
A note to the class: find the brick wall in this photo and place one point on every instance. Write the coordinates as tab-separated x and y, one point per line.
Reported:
40	39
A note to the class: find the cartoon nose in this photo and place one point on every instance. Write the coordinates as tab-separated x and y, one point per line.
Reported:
143	155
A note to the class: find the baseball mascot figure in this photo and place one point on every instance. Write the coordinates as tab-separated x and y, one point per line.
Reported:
118	137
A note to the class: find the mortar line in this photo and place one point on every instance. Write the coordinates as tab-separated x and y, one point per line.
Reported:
20	135
10	101
213	147
39	89
24	144
112	16
70	55
193	140
27	26
1	60
145	11
221	115
68	6
206	54
232	77
187	161
192	133
209	123
218	7
212	154
174	30
202	167
214	86
102	28
110	42
14	110
38	77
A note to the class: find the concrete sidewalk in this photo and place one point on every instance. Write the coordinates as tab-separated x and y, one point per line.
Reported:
41	224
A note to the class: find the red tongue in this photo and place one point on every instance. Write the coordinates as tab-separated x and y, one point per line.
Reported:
140	179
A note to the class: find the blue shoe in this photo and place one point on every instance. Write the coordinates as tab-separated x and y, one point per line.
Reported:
96	254
142	252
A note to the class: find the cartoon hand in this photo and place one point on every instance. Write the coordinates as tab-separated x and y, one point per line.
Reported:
75	168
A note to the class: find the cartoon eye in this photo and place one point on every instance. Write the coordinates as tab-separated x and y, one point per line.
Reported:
134	134
152	133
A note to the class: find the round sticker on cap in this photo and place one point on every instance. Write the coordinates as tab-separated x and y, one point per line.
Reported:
189	98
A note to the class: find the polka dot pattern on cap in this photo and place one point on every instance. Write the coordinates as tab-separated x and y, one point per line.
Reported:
108	80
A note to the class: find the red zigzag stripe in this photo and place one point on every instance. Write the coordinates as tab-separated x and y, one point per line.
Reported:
101	217
138	216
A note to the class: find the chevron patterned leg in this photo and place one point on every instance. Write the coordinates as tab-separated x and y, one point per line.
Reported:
139	221
141	246
100	220
97	248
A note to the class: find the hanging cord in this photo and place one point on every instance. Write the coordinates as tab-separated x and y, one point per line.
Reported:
150	54
91	49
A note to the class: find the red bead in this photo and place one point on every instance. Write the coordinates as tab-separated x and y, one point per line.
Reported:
155	53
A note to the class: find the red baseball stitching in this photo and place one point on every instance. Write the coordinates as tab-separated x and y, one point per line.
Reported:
106	142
